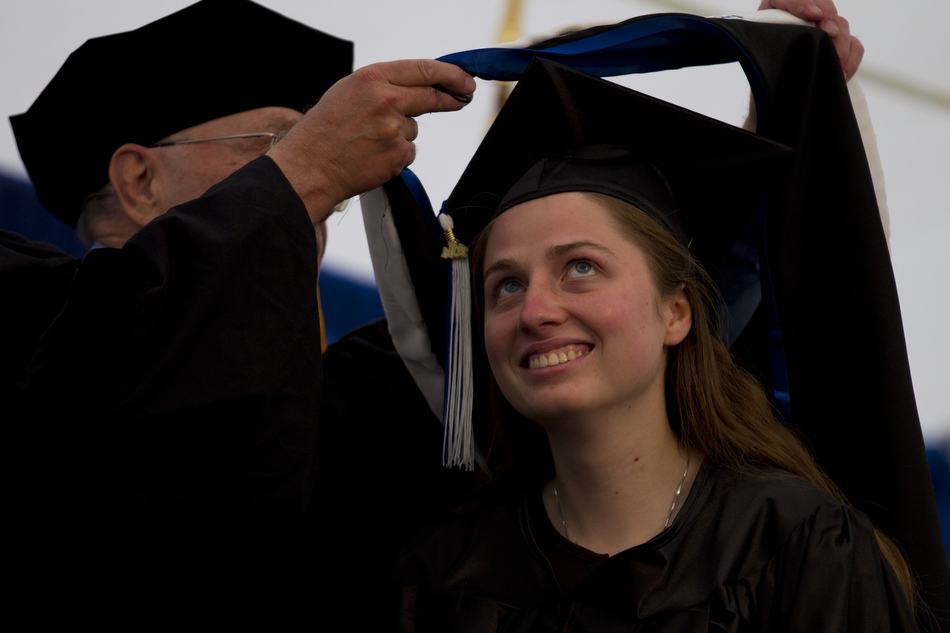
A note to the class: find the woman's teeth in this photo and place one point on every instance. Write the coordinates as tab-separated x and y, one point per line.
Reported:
553	358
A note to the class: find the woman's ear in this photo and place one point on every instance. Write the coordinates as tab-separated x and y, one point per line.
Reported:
133	172
680	318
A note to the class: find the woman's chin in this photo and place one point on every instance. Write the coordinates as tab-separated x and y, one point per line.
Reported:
550	410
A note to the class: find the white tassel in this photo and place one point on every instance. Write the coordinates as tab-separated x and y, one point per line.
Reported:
458	442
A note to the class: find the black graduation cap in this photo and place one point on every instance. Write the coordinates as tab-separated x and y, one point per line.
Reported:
209	60
563	130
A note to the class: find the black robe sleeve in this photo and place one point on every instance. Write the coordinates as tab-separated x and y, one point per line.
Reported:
181	378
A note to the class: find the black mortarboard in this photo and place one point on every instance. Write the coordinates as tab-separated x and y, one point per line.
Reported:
209	60
563	130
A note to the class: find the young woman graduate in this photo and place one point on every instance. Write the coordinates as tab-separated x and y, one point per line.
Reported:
639	480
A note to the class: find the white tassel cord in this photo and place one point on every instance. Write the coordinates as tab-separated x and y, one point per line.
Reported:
458	443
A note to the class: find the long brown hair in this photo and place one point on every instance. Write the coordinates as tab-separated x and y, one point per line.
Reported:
715	407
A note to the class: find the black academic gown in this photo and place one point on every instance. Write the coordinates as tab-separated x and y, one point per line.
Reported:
750	553
162	404
380	475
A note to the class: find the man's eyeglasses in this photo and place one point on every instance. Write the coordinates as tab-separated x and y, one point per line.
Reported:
274	138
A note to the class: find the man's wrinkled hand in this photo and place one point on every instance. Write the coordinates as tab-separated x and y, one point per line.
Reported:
361	132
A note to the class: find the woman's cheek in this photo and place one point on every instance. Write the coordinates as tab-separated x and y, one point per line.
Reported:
497	345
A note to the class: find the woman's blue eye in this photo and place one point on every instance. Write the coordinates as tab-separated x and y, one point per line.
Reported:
581	269
508	287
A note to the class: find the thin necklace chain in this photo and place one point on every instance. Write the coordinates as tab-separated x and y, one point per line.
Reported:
679	489
669	517
557	500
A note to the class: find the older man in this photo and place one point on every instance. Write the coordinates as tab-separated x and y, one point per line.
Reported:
175	378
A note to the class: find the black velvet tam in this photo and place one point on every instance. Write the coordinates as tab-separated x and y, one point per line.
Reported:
563	130
209	60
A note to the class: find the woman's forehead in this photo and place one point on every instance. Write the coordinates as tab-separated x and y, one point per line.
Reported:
551	226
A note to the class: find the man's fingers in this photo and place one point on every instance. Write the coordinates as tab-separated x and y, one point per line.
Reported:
804	9
842	39
856	53
422	85
428	72
411	130
418	100
410	155
830	27
824	15
463	99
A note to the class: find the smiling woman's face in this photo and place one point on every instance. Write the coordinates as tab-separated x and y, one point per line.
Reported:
563	284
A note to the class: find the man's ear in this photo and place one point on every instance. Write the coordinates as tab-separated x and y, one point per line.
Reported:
680	319
134	174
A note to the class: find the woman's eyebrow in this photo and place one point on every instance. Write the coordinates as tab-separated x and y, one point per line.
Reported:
560	250
501	265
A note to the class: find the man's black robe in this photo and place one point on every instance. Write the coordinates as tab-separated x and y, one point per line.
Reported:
184	369
163	406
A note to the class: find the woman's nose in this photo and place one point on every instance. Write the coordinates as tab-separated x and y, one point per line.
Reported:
541	308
